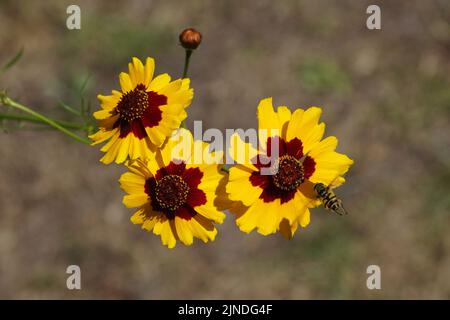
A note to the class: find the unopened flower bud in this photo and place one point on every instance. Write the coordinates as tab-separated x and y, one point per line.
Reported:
190	38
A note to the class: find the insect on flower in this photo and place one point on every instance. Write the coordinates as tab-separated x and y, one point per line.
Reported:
328	198
325	194
304	161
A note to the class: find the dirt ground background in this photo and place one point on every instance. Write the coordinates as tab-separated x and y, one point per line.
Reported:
385	94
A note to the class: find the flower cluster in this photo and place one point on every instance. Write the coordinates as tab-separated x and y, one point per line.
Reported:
271	188
281	201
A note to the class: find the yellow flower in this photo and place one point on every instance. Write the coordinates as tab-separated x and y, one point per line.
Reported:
139	118
281	200
177	198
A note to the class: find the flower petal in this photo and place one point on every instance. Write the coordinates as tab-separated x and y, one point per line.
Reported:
125	82
148	71
240	188
183	230
135	200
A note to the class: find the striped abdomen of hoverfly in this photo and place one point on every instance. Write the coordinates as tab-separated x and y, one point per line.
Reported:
329	200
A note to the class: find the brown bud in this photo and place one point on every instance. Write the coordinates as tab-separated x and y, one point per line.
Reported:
190	38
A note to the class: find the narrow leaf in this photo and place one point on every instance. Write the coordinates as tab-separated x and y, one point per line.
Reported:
12	62
69	108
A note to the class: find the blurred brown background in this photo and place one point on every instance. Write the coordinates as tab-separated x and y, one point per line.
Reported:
385	94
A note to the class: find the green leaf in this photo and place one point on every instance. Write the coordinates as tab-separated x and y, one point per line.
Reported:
12	62
69	108
84	85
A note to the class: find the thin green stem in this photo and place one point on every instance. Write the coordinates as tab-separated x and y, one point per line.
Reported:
13	104
187	59
20	117
225	169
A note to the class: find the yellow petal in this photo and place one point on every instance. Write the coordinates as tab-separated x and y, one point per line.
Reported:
159	82
111	152
240	188
146	217
242	152
140	167
124	147
150	223
303	123
125	82
109	102
284	116
179	146
313	137
133	75
326	145
149	70
261	215
138	217
210	212
138	68
135	200
289	210
135	149
269	218
111	142
132	183
267	118
101	136
102	114
171	88
268	122
329	166
183	231
178	92
108	123
167	234
305	218
202	228
156	136
148	149
310	118
294	126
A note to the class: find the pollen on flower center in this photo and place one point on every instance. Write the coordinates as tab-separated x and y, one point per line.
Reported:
133	104
290	173
171	192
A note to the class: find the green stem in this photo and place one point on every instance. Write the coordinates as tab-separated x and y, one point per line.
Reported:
19	117
187	59
225	169
11	103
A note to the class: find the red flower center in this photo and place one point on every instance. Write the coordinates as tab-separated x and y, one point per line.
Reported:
174	190
290	173
138	109
171	192
133	104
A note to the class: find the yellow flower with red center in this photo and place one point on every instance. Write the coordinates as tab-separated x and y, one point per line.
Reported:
177	197
293	152
139	118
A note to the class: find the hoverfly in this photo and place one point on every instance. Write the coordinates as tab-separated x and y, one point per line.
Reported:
325	195
328	198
